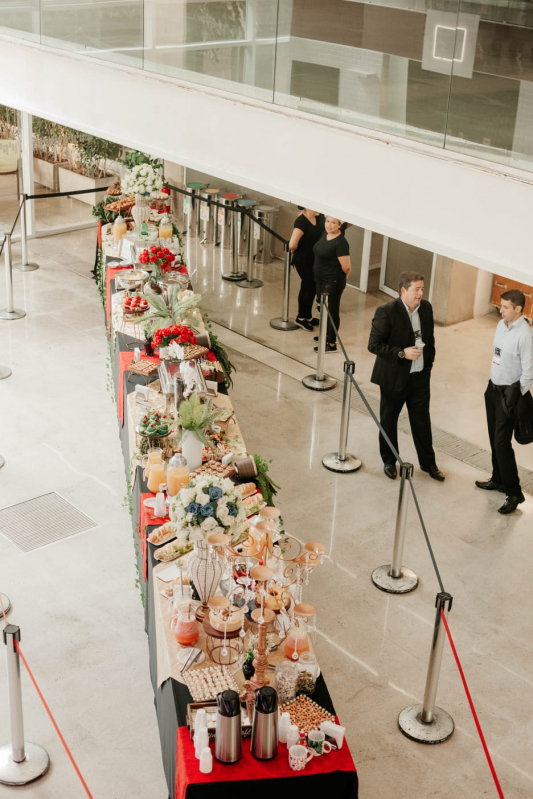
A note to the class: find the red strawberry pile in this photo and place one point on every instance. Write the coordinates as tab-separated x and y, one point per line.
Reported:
134	302
178	333
158	256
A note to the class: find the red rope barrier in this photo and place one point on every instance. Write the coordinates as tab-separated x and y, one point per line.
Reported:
43	700
3	611
472	708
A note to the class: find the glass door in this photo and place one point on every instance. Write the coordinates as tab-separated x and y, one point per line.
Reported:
400	257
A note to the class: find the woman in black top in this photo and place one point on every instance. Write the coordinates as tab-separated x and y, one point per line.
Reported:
308	228
332	268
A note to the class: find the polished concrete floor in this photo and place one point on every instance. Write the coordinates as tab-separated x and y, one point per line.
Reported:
78	607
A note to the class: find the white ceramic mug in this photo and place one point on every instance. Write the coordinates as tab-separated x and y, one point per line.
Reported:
317	741
299	756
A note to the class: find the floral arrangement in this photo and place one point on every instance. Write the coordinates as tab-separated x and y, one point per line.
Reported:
205	506
170	309
142	179
160	258
177	333
195	417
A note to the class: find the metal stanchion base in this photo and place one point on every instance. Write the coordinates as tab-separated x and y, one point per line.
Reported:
29	267
254	283
5	371
2	462
382	579
234	276
16	313
334	464
312	382
6	602
411	724
34	766
283	324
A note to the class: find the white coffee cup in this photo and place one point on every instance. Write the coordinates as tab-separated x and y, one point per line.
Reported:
299	756
317	742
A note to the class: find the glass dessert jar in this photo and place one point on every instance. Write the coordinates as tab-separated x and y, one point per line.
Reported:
286	679
308	671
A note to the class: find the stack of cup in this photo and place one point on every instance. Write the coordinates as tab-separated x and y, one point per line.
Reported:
283	727
293	736
206	761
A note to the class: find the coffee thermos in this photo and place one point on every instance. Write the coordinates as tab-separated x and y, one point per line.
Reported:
228	737
265	724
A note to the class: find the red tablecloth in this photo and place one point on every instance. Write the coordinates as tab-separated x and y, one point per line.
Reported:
146	518
124	362
110	275
248	768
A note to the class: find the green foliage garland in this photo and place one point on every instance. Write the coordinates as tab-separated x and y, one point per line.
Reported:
265	484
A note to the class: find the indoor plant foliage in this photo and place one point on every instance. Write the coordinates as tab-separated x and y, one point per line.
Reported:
137	158
169	310
205	506
195	417
265	484
142	179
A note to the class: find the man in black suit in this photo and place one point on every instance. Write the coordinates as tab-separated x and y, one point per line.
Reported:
403	340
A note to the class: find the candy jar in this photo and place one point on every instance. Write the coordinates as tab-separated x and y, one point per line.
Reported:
286	679
308	671
297	640
184	626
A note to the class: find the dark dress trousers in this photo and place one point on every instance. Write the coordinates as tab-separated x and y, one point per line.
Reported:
392	332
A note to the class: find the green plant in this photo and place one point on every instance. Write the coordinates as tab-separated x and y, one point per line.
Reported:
265	484
8	123
136	158
169	311
223	359
249	652
100	211
195	417
95	155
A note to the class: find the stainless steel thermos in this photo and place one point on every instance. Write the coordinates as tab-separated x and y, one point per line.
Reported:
265	724
228	736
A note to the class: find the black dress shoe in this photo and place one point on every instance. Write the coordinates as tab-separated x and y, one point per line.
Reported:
390	470
490	485
511	504
315	322
434	472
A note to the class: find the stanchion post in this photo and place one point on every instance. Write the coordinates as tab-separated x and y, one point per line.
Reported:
10	312
428	723
235	274
250	282
321	381
24	265
283	322
6	602
5	371
342	461
393	577
20	762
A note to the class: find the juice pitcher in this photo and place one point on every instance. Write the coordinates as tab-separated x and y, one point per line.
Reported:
154	469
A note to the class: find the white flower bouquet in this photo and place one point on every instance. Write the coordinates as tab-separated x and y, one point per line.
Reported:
142	179
207	505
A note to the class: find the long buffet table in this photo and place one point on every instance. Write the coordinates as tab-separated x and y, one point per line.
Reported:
335	772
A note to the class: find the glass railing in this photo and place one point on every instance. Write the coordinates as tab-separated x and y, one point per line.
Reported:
456	74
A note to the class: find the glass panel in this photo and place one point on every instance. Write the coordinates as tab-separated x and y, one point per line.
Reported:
402	257
366	64
112	31
20	18
229	45
355	236
491	99
9	163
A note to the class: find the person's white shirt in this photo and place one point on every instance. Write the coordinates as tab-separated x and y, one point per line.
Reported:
512	354
418	365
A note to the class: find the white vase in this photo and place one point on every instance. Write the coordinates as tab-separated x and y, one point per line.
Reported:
205	572
192	448
140	211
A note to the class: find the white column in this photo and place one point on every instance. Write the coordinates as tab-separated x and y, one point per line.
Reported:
365	261
26	145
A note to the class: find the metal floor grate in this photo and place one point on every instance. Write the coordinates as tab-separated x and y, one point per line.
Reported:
42	521
452	445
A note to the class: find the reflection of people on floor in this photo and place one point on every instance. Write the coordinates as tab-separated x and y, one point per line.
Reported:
508	396
332	269
308	228
402	338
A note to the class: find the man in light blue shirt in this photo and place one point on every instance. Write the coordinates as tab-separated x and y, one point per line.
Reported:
512	365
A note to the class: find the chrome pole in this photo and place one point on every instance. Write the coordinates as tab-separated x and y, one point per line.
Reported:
395	578
234	274
428	723
24	265
342	461
20	762
321	381
10	312
283	322
250	282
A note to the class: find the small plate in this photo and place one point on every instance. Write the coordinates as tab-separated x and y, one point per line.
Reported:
149	503
184	654
164	540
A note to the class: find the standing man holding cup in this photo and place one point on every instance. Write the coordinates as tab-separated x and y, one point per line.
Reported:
511	377
402	338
